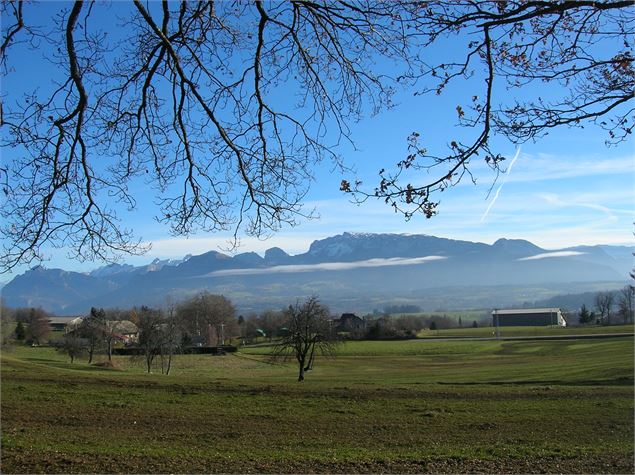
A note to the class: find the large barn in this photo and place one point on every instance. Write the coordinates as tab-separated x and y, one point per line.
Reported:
528	317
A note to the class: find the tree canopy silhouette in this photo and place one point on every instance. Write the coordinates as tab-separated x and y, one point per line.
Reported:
194	98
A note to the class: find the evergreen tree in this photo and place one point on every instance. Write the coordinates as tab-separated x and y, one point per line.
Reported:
585	316
20	332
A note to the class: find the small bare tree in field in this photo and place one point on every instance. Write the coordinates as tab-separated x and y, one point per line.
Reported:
271	322
604	305
73	346
115	324
626	303
150	334
205	312
159	335
309	332
172	332
93	330
38	327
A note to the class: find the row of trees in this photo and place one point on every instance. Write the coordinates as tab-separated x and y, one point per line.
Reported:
162	332
270	324
302	331
406	326
604	304
273	324
32	324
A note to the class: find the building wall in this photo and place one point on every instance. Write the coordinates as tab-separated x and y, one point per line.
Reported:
527	319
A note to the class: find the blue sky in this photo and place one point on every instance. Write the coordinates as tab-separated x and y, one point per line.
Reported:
565	189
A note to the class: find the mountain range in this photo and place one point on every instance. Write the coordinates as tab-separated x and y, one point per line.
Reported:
349	272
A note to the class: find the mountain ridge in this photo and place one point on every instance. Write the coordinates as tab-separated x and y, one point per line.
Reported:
349	267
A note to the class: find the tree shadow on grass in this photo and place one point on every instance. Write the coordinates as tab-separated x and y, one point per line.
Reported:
68	365
621	381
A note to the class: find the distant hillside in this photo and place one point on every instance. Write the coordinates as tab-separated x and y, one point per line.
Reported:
349	272
573	302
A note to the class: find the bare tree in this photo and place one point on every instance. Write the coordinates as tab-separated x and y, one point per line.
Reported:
309	332
113	327
571	59
73	346
250	328
172	336
188	97
150	334
38	326
625	303
271	322
206	315
93	329
159	336
7	315
604	304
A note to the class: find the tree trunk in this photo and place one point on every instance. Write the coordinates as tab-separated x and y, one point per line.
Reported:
110	351
310	365
169	364
301	375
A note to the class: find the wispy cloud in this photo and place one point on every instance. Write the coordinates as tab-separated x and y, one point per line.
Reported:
500	187
555	200
547	167
546	255
328	266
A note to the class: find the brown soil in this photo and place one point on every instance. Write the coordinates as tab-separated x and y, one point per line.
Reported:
20	461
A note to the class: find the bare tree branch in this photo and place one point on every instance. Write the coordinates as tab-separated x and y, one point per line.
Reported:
522	43
227	108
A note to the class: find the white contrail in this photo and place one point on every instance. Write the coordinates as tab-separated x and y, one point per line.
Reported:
500	187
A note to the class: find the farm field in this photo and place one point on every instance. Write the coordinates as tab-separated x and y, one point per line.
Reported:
489	332
408	406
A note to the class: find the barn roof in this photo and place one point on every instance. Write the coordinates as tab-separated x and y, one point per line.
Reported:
74	323
60	320
125	327
524	311
346	316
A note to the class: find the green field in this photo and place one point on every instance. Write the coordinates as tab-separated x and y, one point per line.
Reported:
489	332
410	406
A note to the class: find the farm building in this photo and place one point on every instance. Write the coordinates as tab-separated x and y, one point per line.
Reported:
73	324
349	322
123	330
528	317
59	323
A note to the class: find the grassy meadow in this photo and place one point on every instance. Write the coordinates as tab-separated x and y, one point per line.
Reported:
407	406
489	332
